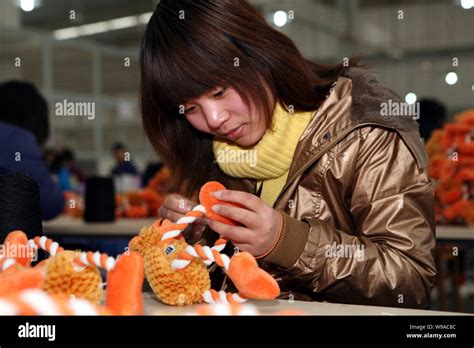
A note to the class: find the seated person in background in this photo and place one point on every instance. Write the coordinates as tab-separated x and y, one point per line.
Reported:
124	165
69	175
24	128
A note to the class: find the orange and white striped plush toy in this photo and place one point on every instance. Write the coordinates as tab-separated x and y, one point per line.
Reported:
177	272
68	282
59	274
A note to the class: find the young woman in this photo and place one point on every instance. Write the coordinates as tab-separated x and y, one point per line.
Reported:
337	203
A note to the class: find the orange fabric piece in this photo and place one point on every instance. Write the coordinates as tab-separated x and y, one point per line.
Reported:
252	281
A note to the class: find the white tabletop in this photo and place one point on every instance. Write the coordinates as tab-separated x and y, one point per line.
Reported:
152	306
455	232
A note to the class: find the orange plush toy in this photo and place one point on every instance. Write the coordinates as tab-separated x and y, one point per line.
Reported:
145	202
177	272
451	152
68	282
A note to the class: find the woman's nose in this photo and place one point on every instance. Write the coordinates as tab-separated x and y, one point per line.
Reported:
215	117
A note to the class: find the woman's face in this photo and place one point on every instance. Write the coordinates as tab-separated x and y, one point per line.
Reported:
223	113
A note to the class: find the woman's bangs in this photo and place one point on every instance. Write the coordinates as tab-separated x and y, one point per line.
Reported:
183	79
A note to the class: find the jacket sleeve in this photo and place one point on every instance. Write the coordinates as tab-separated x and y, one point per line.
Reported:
393	240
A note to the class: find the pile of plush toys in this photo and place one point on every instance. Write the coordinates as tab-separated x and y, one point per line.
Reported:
69	282
74	204
145	202
451	152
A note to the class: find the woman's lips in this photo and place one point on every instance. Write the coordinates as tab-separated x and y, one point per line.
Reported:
236	133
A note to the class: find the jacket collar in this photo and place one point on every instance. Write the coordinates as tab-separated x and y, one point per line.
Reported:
354	101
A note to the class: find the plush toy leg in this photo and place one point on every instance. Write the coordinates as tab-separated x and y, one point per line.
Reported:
251	281
242	268
19	241
12	281
124	285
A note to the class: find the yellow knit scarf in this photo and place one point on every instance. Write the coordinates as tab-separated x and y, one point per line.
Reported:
269	160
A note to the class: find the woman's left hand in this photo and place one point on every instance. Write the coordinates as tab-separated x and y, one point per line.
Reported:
261	223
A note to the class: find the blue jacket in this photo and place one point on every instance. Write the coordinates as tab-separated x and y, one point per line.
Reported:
15	142
125	167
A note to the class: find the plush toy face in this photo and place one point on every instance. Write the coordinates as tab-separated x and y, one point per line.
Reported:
168	252
172	286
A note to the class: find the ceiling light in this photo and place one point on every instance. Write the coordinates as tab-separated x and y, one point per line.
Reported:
451	78
467	4
27	5
101	27
280	18
410	98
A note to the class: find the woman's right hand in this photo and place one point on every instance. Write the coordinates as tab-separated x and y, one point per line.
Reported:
175	207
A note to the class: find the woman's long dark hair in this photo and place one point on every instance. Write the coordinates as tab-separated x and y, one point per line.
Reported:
189	48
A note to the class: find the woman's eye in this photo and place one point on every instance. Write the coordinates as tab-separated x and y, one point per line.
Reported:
190	110
220	93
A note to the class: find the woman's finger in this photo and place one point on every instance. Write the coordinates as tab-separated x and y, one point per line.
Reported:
245	199
236	234
244	216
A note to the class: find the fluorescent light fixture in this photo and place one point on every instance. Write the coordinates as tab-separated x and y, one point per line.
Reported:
467	4
124	22
144	18
451	78
280	18
411	98
27	5
94	28
101	27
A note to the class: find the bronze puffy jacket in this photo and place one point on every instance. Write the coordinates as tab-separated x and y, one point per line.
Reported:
358	205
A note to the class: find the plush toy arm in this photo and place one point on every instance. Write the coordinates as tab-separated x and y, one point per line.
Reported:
100	260
207	254
23	253
46	244
180	225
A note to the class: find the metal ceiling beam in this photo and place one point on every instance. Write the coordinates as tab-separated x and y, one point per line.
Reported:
78	43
